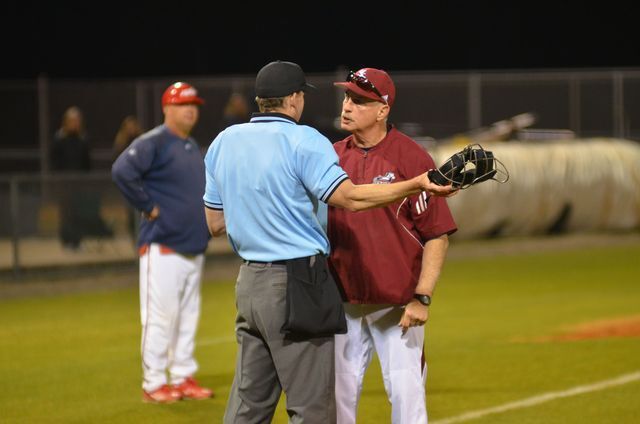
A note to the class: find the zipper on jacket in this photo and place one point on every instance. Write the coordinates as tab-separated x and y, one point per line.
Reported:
364	166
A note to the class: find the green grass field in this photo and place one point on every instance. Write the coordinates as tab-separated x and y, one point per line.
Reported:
74	358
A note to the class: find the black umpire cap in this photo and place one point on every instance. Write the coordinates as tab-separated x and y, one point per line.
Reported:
279	79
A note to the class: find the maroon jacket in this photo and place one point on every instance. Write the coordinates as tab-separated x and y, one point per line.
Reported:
376	255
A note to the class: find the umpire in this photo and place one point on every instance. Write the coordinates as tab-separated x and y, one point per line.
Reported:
263	182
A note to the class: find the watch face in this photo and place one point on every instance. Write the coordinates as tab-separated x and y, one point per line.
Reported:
424	299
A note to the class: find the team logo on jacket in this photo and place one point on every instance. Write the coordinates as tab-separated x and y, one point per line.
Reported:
385	179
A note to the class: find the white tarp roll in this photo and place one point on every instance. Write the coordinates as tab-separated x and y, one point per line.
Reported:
597	179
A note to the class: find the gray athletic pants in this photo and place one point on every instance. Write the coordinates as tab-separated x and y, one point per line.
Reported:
268	362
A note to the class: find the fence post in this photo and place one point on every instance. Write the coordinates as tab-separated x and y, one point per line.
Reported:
15	223
618	104
142	105
43	123
474	101
575	121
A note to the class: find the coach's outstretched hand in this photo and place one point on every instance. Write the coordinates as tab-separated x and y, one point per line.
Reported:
435	189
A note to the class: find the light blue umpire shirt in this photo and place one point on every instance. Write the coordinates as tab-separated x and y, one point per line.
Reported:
267	175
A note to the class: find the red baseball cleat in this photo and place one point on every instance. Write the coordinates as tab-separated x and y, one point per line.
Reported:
165	394
190	389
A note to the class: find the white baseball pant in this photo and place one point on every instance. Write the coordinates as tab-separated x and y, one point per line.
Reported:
404	370
169	310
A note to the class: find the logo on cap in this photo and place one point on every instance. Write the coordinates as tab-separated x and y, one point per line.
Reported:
188	92
181	93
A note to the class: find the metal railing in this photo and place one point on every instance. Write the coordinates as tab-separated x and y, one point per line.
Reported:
46	216
71	219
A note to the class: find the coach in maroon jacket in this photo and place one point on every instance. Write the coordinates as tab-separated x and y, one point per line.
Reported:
387	260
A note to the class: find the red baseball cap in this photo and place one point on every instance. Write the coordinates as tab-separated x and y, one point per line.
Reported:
374	84
180	93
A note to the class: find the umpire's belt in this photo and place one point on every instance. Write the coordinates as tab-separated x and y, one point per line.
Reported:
283	262
311	259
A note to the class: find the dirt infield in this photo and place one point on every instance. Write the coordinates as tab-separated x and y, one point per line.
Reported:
617	327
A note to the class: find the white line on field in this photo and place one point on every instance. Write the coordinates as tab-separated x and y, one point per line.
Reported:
216	340
545	397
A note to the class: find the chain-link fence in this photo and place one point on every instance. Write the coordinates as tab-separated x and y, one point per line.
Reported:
603	103
39	207
554	186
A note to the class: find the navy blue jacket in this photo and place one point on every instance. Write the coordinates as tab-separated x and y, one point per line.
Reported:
160	168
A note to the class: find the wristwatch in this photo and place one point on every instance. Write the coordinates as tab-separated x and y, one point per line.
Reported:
425	299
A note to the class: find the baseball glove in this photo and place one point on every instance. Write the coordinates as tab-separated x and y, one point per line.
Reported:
470	166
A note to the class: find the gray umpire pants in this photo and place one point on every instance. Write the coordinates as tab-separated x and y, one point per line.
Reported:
268	362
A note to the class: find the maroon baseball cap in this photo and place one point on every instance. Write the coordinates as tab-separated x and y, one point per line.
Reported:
374	84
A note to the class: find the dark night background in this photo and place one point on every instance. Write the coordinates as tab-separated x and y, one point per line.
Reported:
107	40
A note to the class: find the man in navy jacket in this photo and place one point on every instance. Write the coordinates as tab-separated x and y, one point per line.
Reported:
162	174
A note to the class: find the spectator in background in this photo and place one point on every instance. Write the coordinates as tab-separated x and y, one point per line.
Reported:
236	111
79	208
70	149
129	130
